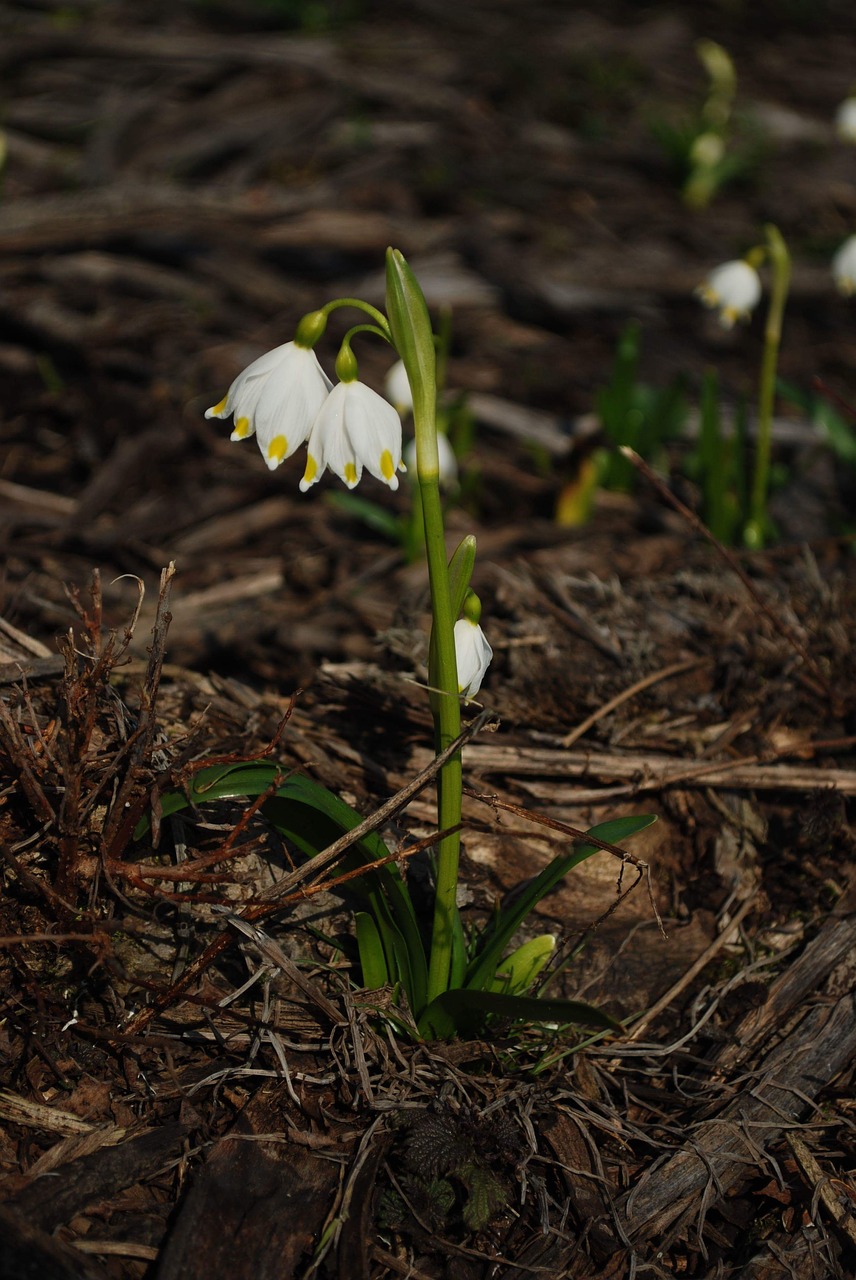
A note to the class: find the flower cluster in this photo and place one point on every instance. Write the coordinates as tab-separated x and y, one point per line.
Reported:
285	399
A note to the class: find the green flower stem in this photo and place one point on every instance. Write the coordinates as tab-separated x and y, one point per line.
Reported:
378	316
412	335
780	262
446	708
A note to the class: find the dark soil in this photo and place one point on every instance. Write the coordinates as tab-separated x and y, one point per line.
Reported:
182	183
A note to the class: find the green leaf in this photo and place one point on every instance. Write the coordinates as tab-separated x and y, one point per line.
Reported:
458	961
518	971
219	782
372	960
313	818
464	1013
369	513
461	568
486	1195
503	928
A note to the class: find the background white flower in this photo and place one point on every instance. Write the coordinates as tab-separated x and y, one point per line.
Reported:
397	389
446	461
276	399
845	120
734	289
355	428
473	655
844	266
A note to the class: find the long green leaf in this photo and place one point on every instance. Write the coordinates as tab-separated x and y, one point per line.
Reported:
372	959
464	1013
483	967
517	973
313	818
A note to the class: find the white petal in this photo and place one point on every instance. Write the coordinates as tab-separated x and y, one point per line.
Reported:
844	266
277	399
328	442
355	429
845	120
473	655
374	431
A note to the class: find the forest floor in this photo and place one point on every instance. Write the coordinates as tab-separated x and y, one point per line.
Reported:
182	183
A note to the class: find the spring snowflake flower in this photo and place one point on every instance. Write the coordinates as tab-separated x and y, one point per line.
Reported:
397	389
844	266
277	399
355	428
845	120
473	655
734	289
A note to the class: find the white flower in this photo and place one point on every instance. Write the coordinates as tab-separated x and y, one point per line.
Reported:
844	266
845	120
473	655
446	461
734	288
397	389
276	399
355	428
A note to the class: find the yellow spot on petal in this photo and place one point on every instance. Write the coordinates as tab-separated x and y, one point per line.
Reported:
311	469
241	428
218	408
387	466
277	449
350	473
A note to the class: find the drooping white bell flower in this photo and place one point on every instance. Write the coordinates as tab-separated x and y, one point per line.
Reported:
446	461
473	655
845	120
354	428
734	289
844	266
396	388
277	399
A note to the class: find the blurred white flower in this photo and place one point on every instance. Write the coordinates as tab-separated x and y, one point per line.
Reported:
844	266
845	120
473	655
397	389
276	399
355	428
734	289
446	461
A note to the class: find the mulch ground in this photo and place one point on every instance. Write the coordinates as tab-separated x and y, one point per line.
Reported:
190	1090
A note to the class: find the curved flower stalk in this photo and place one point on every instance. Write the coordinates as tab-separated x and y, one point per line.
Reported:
734	289
709	165
844	266
277	399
